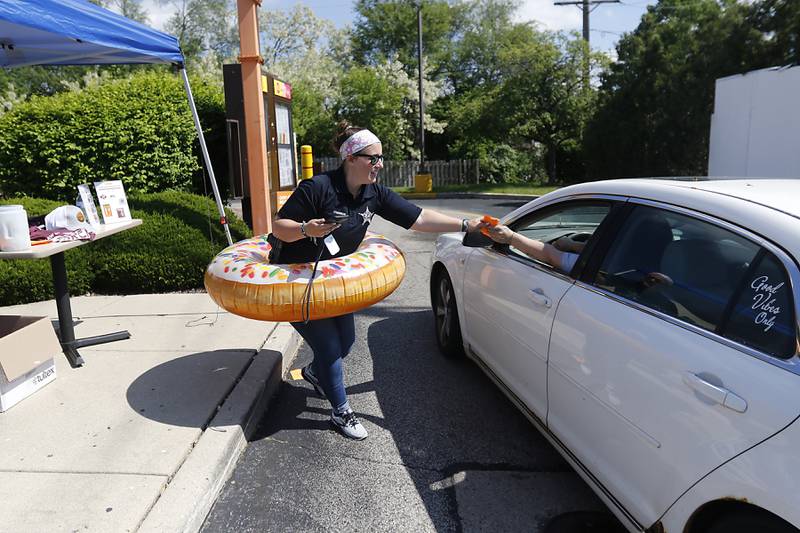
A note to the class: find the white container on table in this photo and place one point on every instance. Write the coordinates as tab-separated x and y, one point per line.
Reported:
14	233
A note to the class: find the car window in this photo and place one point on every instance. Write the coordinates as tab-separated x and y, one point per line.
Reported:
681	266
574	220
763	315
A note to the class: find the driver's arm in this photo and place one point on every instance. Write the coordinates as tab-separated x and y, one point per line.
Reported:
541	251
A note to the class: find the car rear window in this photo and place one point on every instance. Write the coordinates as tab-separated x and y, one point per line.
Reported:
703	275
763	315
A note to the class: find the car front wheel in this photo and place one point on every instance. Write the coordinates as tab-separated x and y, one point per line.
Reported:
448	329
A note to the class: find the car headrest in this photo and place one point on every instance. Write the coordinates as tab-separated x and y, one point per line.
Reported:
695	263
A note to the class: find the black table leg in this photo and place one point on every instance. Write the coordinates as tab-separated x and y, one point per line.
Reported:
65	326
69	344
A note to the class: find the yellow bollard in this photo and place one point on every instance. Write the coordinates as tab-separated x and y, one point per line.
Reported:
306	161
423	183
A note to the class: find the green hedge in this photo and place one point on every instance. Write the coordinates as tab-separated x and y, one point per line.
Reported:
138	129
179	235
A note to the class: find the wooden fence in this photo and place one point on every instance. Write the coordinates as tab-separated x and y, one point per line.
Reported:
401	173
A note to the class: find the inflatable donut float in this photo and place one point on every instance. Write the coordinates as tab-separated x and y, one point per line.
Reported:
241	280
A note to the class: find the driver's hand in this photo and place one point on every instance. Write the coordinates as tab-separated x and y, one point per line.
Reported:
501	234
566	244
655	278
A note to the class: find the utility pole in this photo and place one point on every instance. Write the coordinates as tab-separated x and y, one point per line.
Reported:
586	5
421	102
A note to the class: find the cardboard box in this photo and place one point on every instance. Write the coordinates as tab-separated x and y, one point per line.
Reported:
28	346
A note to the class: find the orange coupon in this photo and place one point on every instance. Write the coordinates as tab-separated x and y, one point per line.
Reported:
491	221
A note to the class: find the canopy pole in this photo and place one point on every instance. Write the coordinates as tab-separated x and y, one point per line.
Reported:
222	218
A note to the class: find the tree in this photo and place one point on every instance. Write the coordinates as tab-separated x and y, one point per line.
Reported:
289	36
489	29
371	98
656	99
388	28
204	27
308	53
132	9
546	100
515	97
779	19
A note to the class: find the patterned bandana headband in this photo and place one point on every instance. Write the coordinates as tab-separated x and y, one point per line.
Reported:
357	142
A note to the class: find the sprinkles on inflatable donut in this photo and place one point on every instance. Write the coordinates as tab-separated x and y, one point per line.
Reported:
241	280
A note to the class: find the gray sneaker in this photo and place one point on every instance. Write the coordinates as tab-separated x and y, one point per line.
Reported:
348	424
309	376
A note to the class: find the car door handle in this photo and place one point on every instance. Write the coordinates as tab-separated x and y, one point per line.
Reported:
720	395
539	297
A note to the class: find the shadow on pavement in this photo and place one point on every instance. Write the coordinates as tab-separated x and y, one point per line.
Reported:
187	390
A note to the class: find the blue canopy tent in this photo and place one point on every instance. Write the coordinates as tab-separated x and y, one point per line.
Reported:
77	32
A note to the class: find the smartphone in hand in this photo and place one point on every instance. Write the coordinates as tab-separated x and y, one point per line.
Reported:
337	217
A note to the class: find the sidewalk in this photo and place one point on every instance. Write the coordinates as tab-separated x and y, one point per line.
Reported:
142	437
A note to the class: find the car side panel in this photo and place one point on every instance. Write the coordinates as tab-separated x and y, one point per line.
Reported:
619	397
509	305
765	476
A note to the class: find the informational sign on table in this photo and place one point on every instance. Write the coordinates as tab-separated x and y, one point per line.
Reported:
113	203
87	204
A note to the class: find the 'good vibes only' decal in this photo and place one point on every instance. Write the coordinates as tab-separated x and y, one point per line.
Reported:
764	298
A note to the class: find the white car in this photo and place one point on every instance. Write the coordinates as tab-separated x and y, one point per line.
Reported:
664	366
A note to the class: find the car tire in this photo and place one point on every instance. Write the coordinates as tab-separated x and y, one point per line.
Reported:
746	521
445	317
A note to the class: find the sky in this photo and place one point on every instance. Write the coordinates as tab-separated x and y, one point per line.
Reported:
606	22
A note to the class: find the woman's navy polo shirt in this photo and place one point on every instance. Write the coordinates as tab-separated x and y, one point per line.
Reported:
321	195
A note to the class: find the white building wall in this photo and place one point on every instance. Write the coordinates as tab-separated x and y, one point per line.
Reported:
755	127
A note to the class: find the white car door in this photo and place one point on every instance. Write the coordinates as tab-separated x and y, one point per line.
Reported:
510	300
673	359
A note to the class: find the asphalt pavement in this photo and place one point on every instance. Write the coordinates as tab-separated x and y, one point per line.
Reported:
446	452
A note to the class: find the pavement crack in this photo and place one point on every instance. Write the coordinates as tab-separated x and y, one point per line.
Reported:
81	472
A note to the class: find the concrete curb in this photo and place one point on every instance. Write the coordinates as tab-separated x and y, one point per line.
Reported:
463	195
189	495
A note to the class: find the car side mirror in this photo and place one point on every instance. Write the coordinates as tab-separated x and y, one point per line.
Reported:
476	239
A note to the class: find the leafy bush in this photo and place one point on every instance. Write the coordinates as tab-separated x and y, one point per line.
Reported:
502	163
169	252
138	130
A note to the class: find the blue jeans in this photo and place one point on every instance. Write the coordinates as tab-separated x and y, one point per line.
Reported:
331	340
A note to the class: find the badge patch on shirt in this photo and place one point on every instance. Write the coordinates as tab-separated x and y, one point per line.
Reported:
367	214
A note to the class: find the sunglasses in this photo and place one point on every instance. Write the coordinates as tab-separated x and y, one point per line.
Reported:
373	159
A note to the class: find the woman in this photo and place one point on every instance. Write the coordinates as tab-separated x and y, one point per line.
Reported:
350	190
